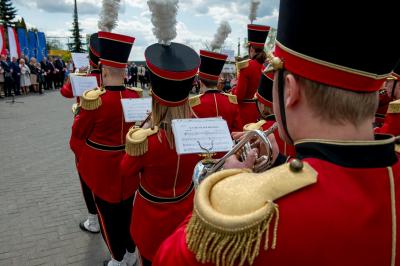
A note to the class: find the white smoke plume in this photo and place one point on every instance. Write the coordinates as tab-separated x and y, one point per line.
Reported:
223	32
163	17
253	10
109	15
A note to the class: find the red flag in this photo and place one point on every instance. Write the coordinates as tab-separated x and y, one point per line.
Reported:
3	50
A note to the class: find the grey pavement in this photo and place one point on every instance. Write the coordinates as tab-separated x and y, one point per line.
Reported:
41	203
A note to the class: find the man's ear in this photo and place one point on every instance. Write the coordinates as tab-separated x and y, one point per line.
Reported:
292	91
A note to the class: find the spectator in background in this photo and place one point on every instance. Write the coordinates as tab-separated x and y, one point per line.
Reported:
8	81
25	77
34	74
134	75
141	73
41	78
60	72
70	67
16	76
1	82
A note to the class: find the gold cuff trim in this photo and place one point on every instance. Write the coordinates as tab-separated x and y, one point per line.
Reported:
394	107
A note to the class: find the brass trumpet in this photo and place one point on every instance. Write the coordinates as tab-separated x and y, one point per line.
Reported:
209	166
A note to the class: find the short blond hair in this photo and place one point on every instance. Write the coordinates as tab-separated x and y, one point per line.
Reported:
338	105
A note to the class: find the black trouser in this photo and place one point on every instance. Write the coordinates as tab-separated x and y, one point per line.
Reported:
115	221
8	86
88	197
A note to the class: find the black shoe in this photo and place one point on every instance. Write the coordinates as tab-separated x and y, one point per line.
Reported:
83	228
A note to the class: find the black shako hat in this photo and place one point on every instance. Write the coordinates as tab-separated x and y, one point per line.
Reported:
94	54
264	92
257	35
114	49
338	43
211	65
172	71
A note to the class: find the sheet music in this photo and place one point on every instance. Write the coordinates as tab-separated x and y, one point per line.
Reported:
136	110
80	60
80	84
210	133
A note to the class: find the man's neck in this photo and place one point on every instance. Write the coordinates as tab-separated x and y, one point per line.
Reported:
109	83
323	130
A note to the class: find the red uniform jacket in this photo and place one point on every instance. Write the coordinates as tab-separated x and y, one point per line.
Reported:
248	82
214	103
104	132
343	219
66	91
165	195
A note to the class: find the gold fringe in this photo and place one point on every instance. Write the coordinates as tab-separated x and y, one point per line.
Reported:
136	149
90	104
224	248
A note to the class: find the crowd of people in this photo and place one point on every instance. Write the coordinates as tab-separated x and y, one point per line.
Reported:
21	76
330	195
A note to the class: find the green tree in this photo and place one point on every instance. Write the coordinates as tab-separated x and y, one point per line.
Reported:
21	24
7	12
76	45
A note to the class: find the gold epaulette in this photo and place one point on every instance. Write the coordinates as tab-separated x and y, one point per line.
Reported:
91	100
232	98
138	90
254	126
394	107
233	211
195	100
242	64
136	140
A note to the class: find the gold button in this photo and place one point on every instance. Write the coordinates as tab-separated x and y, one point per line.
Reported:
296	165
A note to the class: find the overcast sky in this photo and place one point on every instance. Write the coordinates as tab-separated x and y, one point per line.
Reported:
197	19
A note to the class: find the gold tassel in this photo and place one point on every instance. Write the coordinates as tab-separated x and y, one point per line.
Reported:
211	244
136	140
136	149
90	104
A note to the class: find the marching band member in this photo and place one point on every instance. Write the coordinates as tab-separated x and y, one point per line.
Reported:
91	224
162	177
337	204
101	125
249	73
213	102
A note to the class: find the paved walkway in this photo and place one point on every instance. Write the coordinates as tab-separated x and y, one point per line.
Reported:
40	198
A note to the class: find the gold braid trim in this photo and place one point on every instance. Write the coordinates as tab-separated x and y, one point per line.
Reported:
223	248
136	140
